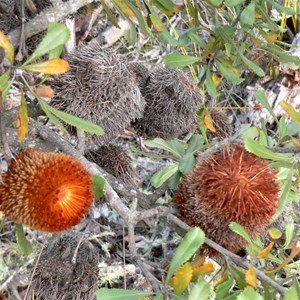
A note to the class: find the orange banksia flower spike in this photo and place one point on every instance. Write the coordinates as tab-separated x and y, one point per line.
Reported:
46	191
233	185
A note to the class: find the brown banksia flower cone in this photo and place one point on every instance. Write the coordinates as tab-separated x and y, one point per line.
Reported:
172	100
223	127
57	277
233	185
101	88
141	74
46	191
115	160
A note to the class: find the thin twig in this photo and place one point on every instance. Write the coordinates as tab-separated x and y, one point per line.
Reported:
294	150
7	153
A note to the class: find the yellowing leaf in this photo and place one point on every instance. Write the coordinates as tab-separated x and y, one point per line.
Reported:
271	38
221	280
295	251
209	122
292	113
216	78
182	278
250	276
295	142
53	66
258	15
8	48
157	23
200	259
22	123
44	91
265	252
125	8
275	233
202	270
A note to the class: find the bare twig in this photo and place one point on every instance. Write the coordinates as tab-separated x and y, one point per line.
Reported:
41	21
7	153
294	150
22	49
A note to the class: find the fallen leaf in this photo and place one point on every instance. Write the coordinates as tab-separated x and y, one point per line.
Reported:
53	66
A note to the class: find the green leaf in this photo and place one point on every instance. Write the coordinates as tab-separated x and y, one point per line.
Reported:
5	86
291	294
248	14
289	234
75	121
177	146
197	40
159	297
110	14
162	144
23	243
216	3
231	3
239	229
284	194
223	289
239	276
192	241
163	175
211	89
281	8
98	186
179	61
228	72
262	99
120	294
249	294
263	152
57	35
195	143
175	180
131	35
201	290
187	163
251	65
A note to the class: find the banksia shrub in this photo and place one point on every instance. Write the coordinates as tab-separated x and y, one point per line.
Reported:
172	100
115	160
100	87
46	191
233	185
223	127
57	277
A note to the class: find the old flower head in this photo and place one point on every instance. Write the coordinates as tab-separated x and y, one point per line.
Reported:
46	191
233	185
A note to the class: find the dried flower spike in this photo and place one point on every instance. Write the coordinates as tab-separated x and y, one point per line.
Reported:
172	100
46	191
101	88
223	127
234	185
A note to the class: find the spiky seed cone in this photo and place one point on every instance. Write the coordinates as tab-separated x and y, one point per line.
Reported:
172	100
57	277
101	88
223	127
115	160
234	185
141	75
46	191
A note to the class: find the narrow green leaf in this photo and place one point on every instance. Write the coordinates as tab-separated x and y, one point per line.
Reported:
187	163
98	186
216	3
162	144
197	40
57	35
163	175
174	60
223	289
291	294
77	122
211	89
23	243
249	294
120	294
284	194
55	53
178	146
192	241
239	229
251	65
158	297
260	96
239	276
228	72
131	35
289	234
248	14
231	3
263	152
167	38
281	8
195	143
110	14
201	290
